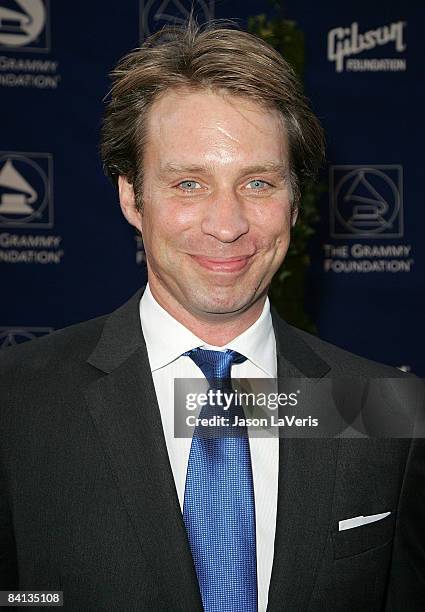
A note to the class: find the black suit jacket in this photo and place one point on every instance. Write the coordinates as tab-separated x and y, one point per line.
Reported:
88	503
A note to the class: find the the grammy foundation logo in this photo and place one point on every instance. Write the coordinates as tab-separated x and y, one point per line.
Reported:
25	190
366	201
25	28
23	25
26	202
19	201
154	14
28	73
11	336
344	42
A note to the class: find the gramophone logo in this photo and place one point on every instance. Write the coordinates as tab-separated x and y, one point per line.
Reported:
154	14
26	190
366	201
11	336
24	25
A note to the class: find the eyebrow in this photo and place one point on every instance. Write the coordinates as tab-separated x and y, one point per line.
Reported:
269	167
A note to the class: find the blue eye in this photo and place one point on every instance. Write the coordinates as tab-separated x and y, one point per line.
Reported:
189	185
257	184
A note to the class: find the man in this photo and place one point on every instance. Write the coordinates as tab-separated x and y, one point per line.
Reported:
208	138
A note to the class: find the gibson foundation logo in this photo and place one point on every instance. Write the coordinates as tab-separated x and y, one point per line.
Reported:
24	25
344	42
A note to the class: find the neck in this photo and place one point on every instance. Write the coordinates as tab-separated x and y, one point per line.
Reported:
214	329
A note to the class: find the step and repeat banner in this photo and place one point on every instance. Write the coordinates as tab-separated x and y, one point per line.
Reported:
66	253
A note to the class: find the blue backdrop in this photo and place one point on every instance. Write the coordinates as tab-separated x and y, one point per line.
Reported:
66	253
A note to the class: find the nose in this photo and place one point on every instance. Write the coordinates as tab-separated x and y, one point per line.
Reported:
225	217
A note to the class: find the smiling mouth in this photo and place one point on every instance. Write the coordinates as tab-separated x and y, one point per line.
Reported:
223	264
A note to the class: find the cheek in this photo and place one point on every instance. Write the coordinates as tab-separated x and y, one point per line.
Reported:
274	226
181	218
164	223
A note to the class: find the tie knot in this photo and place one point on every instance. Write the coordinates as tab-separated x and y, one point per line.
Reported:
215	365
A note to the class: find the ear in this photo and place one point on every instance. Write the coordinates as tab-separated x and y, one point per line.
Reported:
294	216
128	203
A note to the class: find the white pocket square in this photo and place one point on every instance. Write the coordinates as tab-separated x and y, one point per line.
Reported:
357	521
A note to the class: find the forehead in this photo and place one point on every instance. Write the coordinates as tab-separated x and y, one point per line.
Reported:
202	123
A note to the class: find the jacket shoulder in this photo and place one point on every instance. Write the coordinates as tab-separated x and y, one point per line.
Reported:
73	343
345	363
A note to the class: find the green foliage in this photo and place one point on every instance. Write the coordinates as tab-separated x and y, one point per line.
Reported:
284	36
287	291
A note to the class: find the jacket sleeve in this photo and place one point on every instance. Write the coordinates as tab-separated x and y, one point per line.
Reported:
8	561
406	586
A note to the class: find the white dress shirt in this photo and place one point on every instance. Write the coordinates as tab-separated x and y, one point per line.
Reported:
166	341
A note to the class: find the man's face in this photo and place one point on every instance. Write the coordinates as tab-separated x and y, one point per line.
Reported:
216	202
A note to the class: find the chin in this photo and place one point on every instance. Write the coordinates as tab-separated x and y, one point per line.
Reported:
220	301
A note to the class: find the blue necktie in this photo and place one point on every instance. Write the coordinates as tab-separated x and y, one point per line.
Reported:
219	509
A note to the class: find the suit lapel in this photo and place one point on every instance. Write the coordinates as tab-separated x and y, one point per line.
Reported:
305	491
125	412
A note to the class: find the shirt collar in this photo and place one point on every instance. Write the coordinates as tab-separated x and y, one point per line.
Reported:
257	342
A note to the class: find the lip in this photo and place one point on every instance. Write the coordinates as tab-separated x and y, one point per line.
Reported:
223	264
